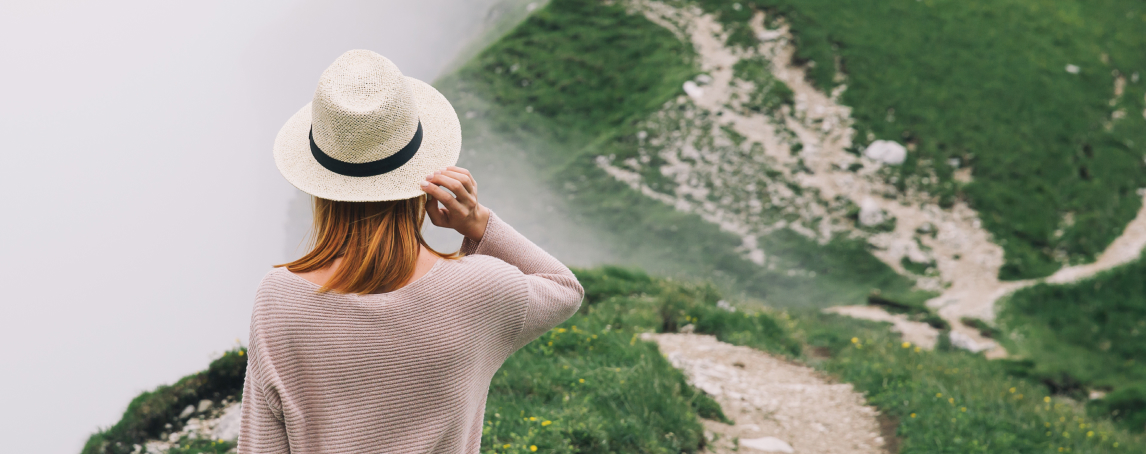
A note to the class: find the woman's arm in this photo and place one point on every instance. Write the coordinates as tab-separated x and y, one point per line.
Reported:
262	429
553	291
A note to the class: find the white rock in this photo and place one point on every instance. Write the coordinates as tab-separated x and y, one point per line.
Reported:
704	79
965	342
687	329
1073	69
886	151
693	90
767	444
870	213
190	410
770	35
204	405
227	427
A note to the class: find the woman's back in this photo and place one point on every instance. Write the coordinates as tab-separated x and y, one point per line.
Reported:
405	371
376	359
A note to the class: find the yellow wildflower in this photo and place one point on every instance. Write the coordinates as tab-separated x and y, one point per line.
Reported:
561	330
906	345
533	418
951	401
1012	390
855	340
241	352
1090	434
532	448
963	409
938	394
917	350
1046	399
546	423
506	446
580	380
913	415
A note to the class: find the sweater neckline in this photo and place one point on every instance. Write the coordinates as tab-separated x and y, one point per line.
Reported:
417	283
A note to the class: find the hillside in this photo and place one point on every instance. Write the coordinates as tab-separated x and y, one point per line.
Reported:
599	384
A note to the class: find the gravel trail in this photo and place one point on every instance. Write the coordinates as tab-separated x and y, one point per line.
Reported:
778	406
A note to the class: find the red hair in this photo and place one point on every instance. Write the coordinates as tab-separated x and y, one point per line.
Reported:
378	242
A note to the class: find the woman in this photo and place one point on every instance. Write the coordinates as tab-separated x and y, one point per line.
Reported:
373	342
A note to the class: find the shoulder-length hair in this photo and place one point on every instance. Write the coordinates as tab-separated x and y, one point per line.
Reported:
378	242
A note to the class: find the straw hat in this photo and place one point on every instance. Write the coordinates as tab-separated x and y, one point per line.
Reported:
370	134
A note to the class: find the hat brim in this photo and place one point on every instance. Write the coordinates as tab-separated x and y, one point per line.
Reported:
441	145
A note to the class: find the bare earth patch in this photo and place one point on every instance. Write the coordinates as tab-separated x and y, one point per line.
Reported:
778	406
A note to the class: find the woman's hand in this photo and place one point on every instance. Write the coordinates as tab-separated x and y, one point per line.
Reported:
462	211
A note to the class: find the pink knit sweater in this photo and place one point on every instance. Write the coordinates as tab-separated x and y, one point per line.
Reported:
400	372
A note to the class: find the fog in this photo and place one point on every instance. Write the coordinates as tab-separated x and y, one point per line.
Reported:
141	201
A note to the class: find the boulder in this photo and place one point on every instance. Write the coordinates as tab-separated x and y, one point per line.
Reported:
767	444
886	151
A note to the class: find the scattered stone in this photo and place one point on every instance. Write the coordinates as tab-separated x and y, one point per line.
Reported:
965	342
693	90
1073	69
887	152
204	405
1096	394
704	79
227	427
187	412
767	444
871	214
770	35
688	329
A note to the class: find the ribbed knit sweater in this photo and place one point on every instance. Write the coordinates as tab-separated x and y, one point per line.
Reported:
400	372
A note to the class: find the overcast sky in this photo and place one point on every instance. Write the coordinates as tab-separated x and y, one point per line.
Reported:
141	203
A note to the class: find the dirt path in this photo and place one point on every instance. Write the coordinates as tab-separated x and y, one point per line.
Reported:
778	406
713	173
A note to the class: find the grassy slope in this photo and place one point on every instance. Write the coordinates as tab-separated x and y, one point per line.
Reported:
148	413
589	386
632	400
945	401
984	82
569	84
1091	334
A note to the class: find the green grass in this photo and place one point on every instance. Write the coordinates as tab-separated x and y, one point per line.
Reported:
950	401
591	386
148	414
983	82
1087	335
945	401
574	82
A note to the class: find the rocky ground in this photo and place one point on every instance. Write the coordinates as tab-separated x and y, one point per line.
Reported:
216	421
795	167
777	405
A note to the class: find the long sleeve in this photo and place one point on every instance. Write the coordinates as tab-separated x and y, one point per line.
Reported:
262	429
554	293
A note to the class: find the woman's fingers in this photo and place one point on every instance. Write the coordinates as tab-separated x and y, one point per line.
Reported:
460	193
466	181
452	205
437	216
